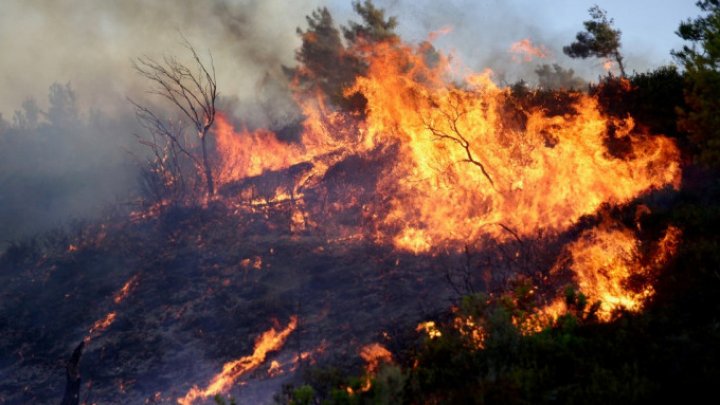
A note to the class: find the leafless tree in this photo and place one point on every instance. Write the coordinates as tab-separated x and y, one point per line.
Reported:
193	91
453	116
171	172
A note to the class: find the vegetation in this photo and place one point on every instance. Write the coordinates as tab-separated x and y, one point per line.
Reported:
599	40
192	92
329	65
668	352
701	60
493	346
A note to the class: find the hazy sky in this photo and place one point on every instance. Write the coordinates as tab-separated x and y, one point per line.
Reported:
91	43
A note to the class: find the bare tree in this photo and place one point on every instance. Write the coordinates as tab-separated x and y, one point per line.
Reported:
453	115
171	172
194	93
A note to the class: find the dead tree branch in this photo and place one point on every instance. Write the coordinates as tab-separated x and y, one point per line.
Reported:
452	116
193	93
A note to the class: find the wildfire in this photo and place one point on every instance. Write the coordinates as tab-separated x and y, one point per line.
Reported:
100	326
269	341
467	327
608	65
525	49
103	323
248	154
606	259
373	354
466	168
463	169
430	329
125	290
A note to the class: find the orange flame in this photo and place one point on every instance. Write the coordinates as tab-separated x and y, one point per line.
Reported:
434	35
373	354
606	259
125	290
464	168
248	154
100	326
525	49
103	323
269	341
429	328
608	65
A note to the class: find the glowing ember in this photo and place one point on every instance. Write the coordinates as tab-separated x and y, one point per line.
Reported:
274	369
373	354
527	50
100	326
439	33
472	331
255	263
269	341
125	290
430	328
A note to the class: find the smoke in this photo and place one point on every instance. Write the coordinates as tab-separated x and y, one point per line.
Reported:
52	172
91	45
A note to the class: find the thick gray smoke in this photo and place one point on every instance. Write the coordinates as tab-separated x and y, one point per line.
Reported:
68	152
92	43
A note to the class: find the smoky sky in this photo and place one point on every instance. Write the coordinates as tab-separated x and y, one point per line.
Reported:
91	43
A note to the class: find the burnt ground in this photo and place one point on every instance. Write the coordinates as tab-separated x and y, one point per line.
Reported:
209	281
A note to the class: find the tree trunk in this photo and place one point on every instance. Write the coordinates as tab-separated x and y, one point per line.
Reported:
619	60
72	370
206	166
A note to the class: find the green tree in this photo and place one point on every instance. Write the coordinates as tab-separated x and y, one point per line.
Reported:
701	60
329	65
375	26
29	116
325	64
600	39
63	110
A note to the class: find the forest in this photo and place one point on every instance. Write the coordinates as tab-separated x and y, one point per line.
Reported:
401	231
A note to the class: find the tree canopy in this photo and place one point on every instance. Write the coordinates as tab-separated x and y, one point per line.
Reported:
330	65
375	27
600	39
701	60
